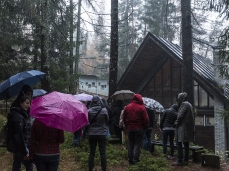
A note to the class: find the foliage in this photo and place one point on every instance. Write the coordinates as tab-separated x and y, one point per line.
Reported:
116	155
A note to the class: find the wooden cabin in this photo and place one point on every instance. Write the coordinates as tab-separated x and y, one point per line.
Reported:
156	72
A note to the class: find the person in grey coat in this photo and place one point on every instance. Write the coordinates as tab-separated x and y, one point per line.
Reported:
97	131
185	128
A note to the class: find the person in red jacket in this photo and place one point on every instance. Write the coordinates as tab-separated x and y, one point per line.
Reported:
136	120
44	147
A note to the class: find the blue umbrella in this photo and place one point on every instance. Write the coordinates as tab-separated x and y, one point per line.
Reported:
12	86
38	92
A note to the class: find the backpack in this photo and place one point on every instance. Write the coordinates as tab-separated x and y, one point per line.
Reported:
4	136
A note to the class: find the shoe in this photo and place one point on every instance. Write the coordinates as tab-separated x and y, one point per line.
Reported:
178	163
131	162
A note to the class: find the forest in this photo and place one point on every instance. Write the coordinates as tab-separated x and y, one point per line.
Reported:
67	38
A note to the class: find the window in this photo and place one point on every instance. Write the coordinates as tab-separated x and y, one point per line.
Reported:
86	83
209	121
93	84
102	87
203	98
89	85
199	121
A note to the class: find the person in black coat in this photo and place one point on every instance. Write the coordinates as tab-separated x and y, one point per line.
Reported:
168	127
115	117
19	133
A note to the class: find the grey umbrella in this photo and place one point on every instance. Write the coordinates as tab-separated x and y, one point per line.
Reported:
152	104
123	95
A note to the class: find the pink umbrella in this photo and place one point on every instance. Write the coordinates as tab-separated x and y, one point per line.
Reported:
83	97
61	111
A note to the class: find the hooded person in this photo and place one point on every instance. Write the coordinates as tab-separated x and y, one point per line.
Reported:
136	120
167	125
185	128
97	131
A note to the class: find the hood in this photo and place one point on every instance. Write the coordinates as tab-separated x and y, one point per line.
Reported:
137	99
96	101
181	98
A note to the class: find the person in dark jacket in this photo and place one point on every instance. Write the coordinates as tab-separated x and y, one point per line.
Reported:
136	120
185	126
115	117
147	144
97	131
167	125
19	133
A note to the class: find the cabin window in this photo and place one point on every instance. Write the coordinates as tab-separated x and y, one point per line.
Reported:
203	98
211	102
199	121
209	121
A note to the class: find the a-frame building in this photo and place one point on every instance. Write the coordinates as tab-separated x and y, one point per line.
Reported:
156	72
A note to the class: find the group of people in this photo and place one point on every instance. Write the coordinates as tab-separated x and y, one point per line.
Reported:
178	120
31	141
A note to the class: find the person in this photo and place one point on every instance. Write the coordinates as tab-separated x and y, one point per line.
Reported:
44	147
136	119
147	144
26	90
123	128
115	117
106	105
77	136
19	133
85	129
168	129
97	131
185	128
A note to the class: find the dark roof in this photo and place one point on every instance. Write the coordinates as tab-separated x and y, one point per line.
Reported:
150	57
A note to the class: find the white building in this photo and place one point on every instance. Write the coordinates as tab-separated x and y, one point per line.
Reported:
93	84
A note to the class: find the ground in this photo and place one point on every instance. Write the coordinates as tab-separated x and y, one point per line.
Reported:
68	163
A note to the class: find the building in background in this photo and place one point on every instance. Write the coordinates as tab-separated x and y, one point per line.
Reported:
92	84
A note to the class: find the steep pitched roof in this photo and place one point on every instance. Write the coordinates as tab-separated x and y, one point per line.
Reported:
150	57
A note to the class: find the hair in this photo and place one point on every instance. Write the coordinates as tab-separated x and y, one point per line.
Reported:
22	99
23	91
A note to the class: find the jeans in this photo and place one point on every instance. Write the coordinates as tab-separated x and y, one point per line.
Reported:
147	144
180	151
76	141
18	161
47	163
134	146
170	134
101	140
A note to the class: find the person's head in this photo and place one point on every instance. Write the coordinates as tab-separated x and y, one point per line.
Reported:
24	102
96	101
26	91
181	97
174	107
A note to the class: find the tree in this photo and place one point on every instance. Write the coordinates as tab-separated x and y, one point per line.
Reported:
187	50
113	48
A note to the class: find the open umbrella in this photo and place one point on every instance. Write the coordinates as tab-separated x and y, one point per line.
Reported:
38	92
12	86
61	111
152	104
83	97
123	95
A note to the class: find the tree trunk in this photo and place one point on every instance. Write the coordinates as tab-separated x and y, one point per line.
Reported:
113	48
45	84
187	50
71	85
